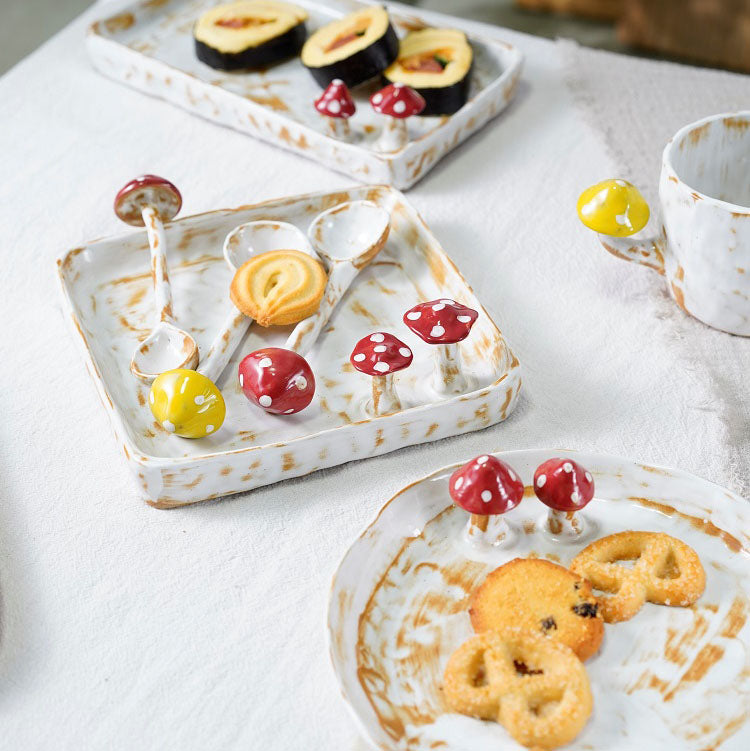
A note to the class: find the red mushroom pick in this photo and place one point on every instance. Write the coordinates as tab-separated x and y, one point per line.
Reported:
278	380
337	105
444	323
565	487
147	192
380	355
486	487
397	102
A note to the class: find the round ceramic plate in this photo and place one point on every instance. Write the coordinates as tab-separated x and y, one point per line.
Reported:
670	678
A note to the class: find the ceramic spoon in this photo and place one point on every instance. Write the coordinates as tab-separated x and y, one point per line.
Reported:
150	201
241	244
347	237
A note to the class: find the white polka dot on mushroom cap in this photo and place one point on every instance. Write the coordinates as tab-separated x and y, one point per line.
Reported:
541	480
404	351
486	496
398	85
265	362
199	399
458	483
377	99
377	338
300	382
399	107
415	315
567	467
265	400
437	331
589	477
358	357
575	496
381	367
483	459
380	348
337	82
334	107
463	319
447	301
209	429
438	306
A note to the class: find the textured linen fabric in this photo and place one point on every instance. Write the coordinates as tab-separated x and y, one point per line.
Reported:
203	628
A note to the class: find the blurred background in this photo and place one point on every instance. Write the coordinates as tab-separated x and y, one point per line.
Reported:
705	32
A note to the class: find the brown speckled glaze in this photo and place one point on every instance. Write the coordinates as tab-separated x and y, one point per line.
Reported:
669	678
107	289
150	48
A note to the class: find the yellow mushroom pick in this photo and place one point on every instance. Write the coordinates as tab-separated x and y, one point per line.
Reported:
613	207
187	403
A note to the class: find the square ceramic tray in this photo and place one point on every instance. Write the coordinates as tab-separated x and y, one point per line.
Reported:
668	679
149	46
107	289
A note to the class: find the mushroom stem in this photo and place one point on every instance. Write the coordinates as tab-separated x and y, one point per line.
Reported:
395	134
487	530
157	241
478	521
565	523
338	127
448	376
384	399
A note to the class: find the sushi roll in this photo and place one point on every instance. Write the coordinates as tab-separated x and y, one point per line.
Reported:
249	34
353	49
437	64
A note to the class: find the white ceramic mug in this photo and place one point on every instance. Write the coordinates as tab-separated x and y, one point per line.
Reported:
704	245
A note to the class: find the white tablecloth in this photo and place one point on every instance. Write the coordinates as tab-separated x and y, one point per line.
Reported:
203	628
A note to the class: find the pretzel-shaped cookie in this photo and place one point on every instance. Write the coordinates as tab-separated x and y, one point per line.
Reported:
666	572
535	687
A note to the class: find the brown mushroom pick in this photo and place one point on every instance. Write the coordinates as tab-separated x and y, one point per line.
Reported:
337	105
444	323
486	487
380	355
397	102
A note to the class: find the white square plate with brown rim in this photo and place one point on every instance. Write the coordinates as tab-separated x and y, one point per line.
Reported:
107	290
149	46
669	678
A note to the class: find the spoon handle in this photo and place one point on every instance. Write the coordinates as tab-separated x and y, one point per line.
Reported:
157	241
305	333
224	344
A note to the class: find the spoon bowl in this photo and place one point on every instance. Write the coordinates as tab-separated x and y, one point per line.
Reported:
166	348
354	231
252	238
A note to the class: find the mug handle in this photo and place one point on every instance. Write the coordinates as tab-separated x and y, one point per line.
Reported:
646	252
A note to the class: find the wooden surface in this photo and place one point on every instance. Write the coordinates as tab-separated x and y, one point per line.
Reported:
714	32
606	10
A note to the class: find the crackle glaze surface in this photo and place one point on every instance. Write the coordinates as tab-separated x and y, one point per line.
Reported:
669	678
107	288
704	245
149	46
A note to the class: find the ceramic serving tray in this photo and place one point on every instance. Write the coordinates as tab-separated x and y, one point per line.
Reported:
670	678
107	291
149	46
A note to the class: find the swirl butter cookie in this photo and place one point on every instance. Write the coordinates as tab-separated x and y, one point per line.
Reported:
278	287
541	597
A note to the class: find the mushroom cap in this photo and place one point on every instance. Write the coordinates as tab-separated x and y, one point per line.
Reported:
441	321
278	380
486	486
397	100
379	354
147	190
563	485
336	101
613	207
187	403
